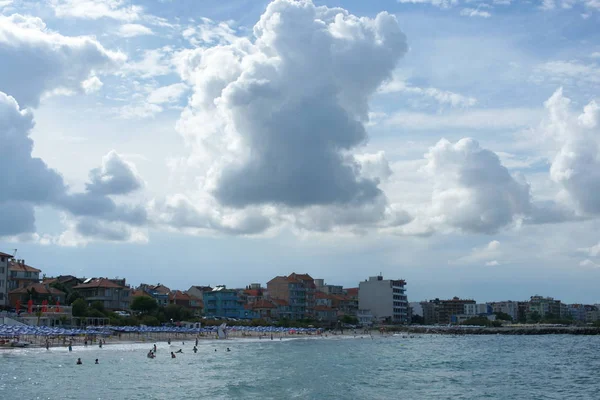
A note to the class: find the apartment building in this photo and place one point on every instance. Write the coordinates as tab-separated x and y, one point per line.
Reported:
385	299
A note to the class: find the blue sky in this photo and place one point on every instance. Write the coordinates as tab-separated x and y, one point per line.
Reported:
452	143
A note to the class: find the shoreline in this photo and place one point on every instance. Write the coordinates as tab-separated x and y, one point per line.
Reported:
507	330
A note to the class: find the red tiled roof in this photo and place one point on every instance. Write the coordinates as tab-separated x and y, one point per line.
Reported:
17	266
253	292
5	255
353	292
139	293
280	302
179	295
39	288
263	304
98	283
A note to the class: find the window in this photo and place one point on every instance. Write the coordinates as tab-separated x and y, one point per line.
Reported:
2	259
1	270
1	282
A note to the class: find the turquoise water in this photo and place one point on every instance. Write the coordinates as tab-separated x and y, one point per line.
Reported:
426	367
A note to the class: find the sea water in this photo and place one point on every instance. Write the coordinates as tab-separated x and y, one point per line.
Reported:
393	367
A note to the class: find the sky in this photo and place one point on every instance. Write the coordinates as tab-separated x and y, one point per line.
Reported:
451	143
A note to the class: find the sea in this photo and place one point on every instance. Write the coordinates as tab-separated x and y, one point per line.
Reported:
362	367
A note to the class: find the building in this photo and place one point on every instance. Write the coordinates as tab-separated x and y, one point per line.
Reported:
298	290
159	292
507	307
365	318
224	303
320	286
472	309
198	291
431	311
38	292
21	274
4	274
547	307
577	312
385	299
263	309
448	308
113	294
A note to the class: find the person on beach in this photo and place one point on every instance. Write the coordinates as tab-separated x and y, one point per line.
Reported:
47	344
196	341
96	361
173	355
169	341
79	361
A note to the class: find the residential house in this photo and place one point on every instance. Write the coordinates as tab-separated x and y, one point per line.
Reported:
223	302
298	290
325	314
448	308
38	292
547	307
385	298
159	292
577	312
320	286
431	311
186	300
64	281
507	307
4	274
114	296
263	309
198	291
21	274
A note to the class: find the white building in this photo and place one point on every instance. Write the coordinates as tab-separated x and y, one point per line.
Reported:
477	309
4	264
507	307
385	299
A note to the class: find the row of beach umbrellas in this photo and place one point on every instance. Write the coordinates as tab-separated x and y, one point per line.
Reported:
21	330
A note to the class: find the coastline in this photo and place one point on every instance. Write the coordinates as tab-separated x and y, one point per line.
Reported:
506	330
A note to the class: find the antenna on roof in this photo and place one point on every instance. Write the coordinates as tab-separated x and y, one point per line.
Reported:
14	253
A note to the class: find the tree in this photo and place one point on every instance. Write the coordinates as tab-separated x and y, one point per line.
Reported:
348	319
144	304
79	308
417	319
99	306
72	297
176	312
503	316
535	317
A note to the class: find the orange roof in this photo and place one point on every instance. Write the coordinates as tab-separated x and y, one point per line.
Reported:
280	302
98	283
253	292
352	292
39	288
5	255
321	295
17	266
139	293
179	295
263	304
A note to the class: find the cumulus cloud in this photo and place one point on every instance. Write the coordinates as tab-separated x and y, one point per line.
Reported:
473	191
283	112
576	166
91	85
95	9
209	32
115	176
36	60
132	30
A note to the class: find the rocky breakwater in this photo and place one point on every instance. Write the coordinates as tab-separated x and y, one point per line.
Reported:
504	330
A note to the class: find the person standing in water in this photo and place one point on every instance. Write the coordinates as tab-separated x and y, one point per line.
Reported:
79	361
70	347
155	347
96	361
195	349
100	345
173	355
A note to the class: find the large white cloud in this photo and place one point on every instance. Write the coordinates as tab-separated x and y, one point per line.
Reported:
473	191
576	166
278	117
36	60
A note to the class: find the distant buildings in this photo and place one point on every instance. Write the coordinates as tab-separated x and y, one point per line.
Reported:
385	299
21	275
511	308
298	291
224	303
4	263
114	294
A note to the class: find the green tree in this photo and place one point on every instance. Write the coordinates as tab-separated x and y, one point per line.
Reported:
98	305
417	319
144	304
80	308
72	297
348	319
150	320
95	313
503	316
534	317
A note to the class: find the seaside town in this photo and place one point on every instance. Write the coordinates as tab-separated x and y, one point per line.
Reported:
27	296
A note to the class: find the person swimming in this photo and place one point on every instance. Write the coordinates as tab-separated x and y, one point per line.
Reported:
173	355
228	349
96	361
79	361
179	351
195	349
